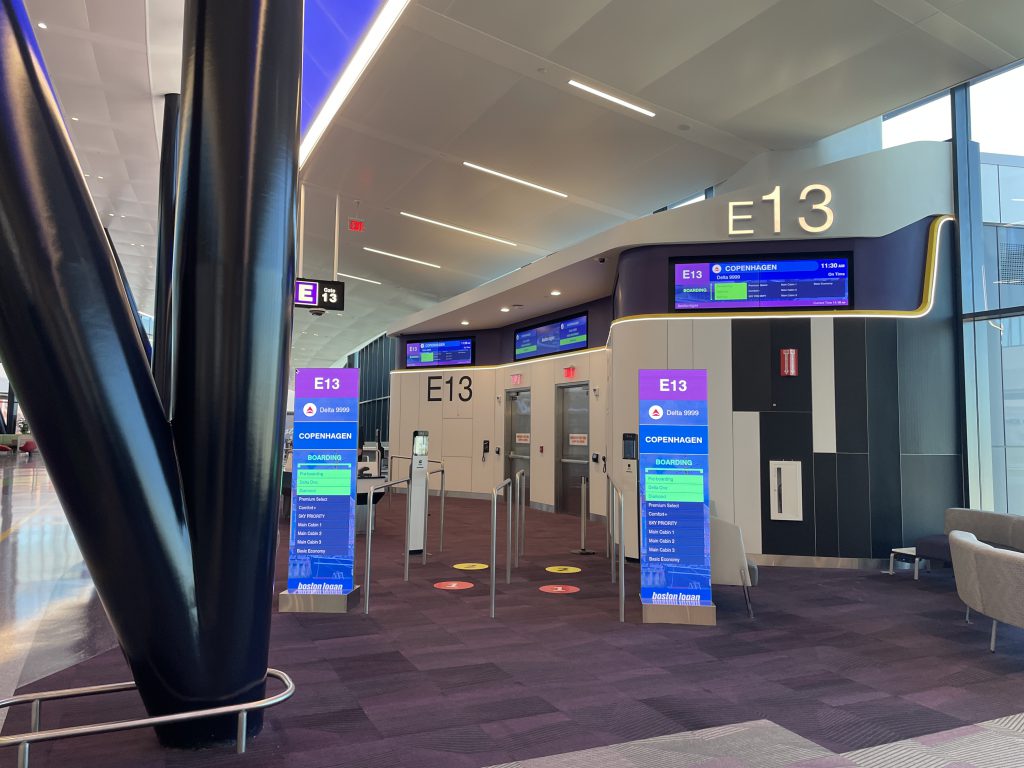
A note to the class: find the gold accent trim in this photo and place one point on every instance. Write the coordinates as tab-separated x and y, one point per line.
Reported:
931	266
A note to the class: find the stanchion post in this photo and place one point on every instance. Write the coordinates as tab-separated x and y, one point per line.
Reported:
440	543
508	535
243	721
584	514
522	514
613	545
608	518
369	549
515	498
494	544
622	558
408	523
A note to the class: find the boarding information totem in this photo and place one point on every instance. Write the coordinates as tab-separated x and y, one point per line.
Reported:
675	548
324	462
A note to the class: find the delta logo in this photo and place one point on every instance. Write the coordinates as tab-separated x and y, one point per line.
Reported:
656	412
309	409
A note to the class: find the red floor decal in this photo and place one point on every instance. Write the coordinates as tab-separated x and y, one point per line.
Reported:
454	585
559	589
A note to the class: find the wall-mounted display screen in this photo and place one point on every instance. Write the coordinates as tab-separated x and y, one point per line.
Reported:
551	338
441	352
804	281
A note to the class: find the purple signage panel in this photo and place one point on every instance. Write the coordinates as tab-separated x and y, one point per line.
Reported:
324	461
306	293
675	542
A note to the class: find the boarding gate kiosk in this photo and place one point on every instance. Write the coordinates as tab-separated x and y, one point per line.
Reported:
417	498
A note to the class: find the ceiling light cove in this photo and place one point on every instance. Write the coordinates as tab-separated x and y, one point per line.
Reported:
609	97
356	277
556	292
375	36
464	322
403	258
505	176
505	309
458	229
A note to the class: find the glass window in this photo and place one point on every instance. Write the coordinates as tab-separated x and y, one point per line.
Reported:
929	121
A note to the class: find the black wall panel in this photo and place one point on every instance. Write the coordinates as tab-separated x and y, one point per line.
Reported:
787	436
929	482
853	483
884	436
826	506
851	386
751	365
791	393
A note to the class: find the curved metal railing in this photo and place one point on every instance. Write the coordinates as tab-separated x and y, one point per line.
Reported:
25	740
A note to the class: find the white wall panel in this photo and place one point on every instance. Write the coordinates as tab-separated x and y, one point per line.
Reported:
484	408
823	385
746	441
598	413
542	427
640	344
458	438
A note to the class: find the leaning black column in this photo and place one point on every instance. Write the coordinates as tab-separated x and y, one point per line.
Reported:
231	304
164	249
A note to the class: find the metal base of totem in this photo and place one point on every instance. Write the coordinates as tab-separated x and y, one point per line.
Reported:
699	615
296	602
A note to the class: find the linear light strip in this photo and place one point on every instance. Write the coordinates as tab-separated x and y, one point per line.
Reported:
505	176
357	277
458	229
403	258
609	97
361	59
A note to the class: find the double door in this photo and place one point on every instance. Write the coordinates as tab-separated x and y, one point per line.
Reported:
572	458
518	437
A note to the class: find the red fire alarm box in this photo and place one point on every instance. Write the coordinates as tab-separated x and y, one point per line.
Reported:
789	364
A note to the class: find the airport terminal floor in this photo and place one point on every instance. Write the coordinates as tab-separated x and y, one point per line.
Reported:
839	667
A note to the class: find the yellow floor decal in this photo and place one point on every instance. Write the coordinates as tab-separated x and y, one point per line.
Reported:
563	569
471	566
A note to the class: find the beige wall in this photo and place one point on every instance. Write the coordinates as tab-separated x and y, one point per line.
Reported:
458	428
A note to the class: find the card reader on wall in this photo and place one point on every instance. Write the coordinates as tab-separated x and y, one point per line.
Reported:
785	490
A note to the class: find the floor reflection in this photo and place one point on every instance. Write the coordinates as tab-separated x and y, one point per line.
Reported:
50	614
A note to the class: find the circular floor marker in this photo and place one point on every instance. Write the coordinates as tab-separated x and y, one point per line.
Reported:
563	569
471	566
559	589
453	585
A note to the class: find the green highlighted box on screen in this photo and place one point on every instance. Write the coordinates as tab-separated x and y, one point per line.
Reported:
730	291
323	482
581	339
526	350
674	487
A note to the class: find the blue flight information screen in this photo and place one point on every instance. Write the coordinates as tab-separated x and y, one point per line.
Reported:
428	354
552	338
810	282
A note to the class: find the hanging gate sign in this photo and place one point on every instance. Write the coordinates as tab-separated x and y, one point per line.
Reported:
324	461
675	550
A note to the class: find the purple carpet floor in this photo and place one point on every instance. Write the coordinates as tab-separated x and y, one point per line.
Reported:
845	659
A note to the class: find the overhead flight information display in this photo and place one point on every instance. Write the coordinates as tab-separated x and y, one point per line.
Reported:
429	354
552	338
811	281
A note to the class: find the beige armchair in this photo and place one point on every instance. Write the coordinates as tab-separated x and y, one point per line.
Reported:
729	564
989	580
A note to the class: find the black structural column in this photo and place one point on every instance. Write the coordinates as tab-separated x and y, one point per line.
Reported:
232	310
162	372
70	347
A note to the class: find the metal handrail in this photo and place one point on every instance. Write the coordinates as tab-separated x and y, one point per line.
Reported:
24	740
507	483
369	539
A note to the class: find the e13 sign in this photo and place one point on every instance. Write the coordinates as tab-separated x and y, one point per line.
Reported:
324	461
675	546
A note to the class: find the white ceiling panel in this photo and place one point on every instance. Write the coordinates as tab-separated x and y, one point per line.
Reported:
1000	21
435	91
780	48
630	45
538	26
881	79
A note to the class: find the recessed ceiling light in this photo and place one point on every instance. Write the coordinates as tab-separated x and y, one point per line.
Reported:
609	97
74	119
356	277
100	178
403	258
110	214
87	175
505	176
464	322
556	292
505	309
376	34
122	215
458	229
42	25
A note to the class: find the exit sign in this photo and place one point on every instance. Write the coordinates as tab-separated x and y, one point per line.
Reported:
356	225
